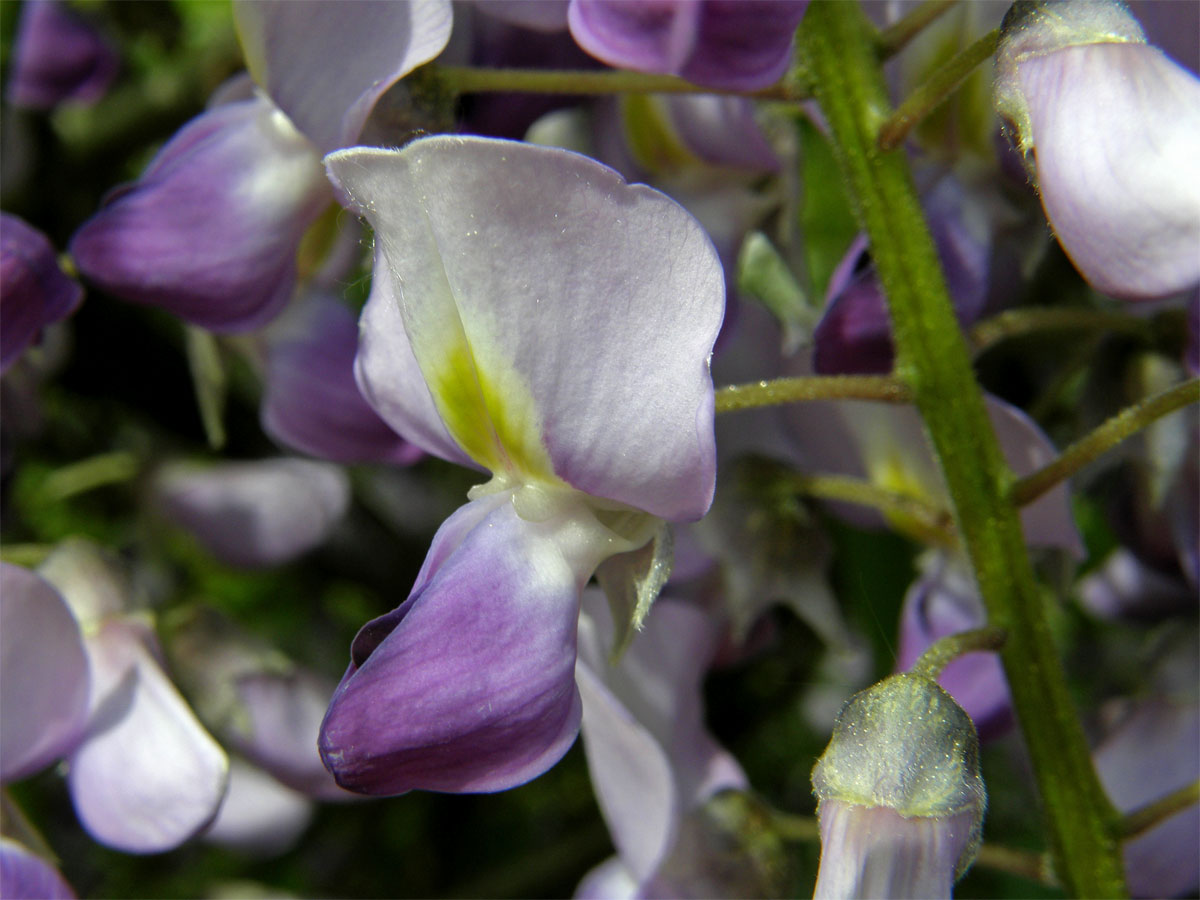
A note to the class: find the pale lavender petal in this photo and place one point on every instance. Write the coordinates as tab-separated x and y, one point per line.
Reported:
312	403
147	776
36	291
729	44
58	56
536	295
26	876
1124	586
722	131
1116	135
1154	751
537	15
326	62
611	880
283	720
258	513
260	816
43	674
945	601
210	230
469	685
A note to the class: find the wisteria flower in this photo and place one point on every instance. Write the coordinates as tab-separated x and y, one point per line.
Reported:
211	229
37	292
1113	125
533	315
58	57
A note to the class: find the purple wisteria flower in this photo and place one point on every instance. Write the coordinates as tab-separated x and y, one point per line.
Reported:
26	876
211	229
651	759
36	291
1113	125
252	514
535	316
57	57
728	44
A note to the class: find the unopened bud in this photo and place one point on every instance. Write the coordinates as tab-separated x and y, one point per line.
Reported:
901	799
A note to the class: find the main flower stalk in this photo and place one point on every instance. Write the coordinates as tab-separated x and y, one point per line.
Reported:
932	359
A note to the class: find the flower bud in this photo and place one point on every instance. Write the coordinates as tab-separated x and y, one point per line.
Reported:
1112	125
901	800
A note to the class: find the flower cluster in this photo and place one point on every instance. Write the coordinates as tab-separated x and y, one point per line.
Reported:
395	392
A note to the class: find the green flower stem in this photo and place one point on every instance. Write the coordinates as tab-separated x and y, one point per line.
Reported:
945	650
1142	820
920	520
896	36
1124	424
779	391
88	474
944	82
933	360
29	556
1032	320
471	80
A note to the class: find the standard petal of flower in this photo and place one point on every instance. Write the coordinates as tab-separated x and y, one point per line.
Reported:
26	876
36	291
43	675
147	776
210	230
326	62
742	45
258	513
57	56
611	880
1116	133
545	300
469	685
312	403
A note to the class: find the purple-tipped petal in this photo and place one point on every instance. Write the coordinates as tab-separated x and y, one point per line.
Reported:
43	675
58	56
1115	134
513	308
260	816
469	685
36	291
945	601
326	62
259	513
210	230
1154	751
26	876
728	44
147	776
312	403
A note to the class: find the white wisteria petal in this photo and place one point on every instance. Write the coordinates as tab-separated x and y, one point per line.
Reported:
326	62
1116	136
147	776
260	816
562	318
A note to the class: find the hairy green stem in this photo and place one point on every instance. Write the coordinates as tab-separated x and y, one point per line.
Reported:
779	391
1142	820
920	520
933	360
1031	320
896	36
471	80
930	95
945	650
1124	424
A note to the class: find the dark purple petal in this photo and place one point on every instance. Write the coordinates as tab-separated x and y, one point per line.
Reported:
43	675
260	513
312	402
729	44
469	685
210	230
1191	356
36	291
57	56
944	601
26	876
